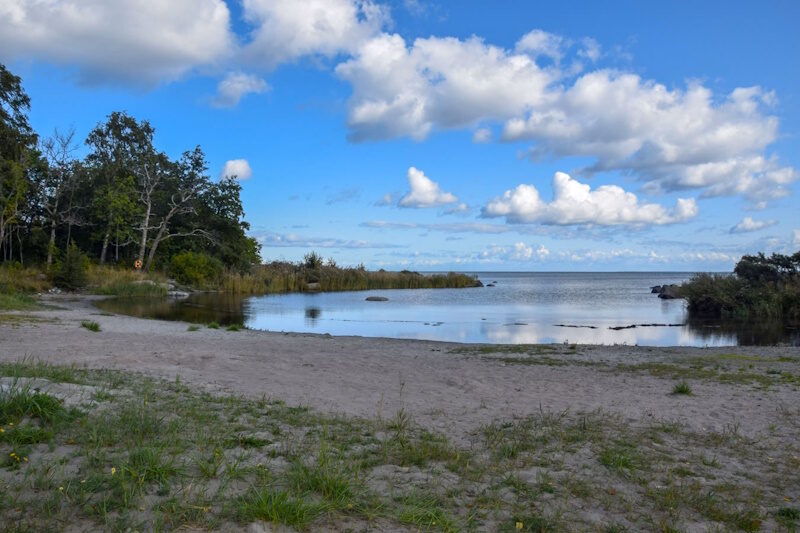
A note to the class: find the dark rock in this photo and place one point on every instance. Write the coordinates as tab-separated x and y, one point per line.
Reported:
490	284
376	299
656	289
670	292
478	283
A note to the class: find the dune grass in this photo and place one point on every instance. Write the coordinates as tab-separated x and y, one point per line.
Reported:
124	282
682	387
123	452
90	325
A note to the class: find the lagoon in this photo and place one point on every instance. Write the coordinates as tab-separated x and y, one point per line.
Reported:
521	308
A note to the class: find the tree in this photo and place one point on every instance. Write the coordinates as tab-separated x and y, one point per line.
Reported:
17	142
121	147
185	188
57	182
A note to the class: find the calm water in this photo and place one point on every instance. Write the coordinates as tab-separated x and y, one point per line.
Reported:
521	308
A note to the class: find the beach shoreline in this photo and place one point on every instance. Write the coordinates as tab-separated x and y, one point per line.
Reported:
448	387
409	435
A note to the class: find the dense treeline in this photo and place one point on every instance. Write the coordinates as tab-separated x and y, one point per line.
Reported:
760	287
124	201
75	219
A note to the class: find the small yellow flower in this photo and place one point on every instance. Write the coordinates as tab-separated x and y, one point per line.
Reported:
25	459
11	424
113	470
519	526
2	430
60	489
83	481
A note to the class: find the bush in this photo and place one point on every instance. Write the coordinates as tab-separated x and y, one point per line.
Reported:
195	269
760	287
312	260
71	272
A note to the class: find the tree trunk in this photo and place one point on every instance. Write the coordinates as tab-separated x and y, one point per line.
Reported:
52	244
21	259
152	254
143	244
105	247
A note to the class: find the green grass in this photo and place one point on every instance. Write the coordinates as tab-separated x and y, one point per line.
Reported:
212	325
146	454
17	302
233	327
90	325
278	507
682	387
193	327
424	511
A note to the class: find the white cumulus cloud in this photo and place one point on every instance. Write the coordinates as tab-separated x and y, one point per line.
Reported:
238	168
671	139
142	42
424	192
287	30
235	86
575	203
748	224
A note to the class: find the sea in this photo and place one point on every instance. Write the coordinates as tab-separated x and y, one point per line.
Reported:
613	308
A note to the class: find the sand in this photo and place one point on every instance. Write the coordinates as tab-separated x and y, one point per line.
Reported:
446	387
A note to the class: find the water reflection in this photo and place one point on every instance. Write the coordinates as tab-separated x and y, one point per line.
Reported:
521	308
312	314
202	308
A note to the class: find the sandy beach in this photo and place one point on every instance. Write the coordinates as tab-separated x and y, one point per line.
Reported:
447	387
749	394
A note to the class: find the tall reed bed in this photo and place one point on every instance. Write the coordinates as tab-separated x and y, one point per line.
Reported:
278	277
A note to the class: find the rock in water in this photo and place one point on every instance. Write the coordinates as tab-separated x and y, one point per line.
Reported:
670	292
376	299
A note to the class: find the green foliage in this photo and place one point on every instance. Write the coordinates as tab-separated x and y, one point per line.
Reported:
91	326
71	272
682	387
760	286
279	277
195	269
130	200
312	260
16	302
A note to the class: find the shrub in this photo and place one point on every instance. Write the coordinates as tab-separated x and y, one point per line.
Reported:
312	260
760	287
71	272
195	269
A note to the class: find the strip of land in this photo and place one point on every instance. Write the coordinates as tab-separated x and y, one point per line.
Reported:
362	433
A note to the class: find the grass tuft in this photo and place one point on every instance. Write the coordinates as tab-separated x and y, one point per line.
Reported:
90	325
682	387
277	507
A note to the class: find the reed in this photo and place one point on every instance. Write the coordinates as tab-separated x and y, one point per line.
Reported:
279	277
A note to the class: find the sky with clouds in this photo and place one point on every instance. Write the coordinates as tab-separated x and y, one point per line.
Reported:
453	135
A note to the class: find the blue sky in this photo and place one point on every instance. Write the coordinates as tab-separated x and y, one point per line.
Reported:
453	135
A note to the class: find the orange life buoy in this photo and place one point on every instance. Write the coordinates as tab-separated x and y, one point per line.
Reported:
137	264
